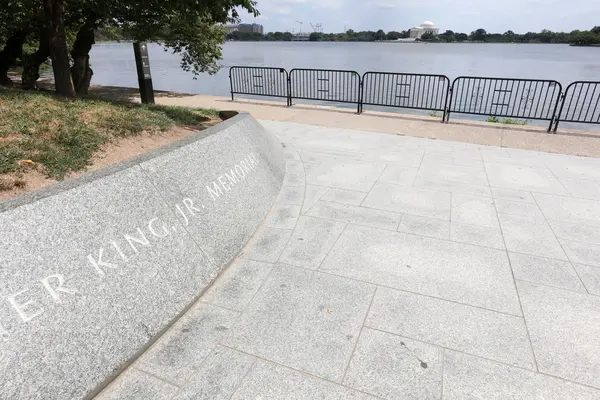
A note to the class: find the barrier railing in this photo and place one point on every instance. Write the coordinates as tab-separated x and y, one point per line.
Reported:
580	103
416	91
529	99
501	97
339	86
259	81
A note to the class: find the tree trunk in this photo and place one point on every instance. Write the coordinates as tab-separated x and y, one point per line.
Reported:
81	71
32	63
9	55
59	53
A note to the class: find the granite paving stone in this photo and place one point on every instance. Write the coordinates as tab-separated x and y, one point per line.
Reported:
407	200
391	367
399	175
477	235
512	195
530	236
268	381
296	306
454	187
311	241
468	377
473	210
569	209
582	187
283	216
346	175
453	173
456	326
526	178
519	208
350	197
291	195
267	244
134	384
238	284
564	330
454	271
356	214
582	253
185	346
312	194
424	226
405	158
545	271
590	275
218	377
576	232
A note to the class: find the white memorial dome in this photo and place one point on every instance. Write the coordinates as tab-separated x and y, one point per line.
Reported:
427	24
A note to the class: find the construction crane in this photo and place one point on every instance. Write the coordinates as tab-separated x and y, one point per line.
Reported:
300	22
318	28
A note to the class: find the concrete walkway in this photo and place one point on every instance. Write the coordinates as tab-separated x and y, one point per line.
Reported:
394	267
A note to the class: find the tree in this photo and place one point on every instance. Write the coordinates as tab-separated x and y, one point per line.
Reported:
191	28
428	36
584	38
59	52
315	36
447	36
478	35
461	37
596	30
393	35
509	36
380	35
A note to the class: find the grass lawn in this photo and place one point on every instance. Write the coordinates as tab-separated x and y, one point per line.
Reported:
57	136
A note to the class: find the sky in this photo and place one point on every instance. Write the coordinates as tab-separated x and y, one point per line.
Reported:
458	15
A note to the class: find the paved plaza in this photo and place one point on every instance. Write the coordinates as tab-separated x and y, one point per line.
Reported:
396	267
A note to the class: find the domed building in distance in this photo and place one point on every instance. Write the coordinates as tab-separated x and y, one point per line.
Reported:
425	27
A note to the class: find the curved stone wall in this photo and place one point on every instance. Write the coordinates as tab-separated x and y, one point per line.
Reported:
92	269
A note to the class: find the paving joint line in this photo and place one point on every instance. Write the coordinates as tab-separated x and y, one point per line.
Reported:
514	281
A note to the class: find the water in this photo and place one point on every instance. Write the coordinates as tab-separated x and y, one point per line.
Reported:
114	65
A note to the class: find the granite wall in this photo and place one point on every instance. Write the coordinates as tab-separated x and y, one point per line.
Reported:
93	269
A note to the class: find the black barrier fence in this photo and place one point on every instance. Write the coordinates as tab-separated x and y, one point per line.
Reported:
260	81
580	103
416	91
529	99
325	85
499	97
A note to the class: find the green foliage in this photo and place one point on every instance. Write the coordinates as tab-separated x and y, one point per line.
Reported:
585	38
507	121
62	134
428	37
434	114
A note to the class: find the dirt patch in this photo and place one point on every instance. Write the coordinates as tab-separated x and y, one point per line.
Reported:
29	178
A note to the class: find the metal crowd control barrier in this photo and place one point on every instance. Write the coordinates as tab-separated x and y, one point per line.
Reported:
416	91
259	81
580	104
502	97
339	86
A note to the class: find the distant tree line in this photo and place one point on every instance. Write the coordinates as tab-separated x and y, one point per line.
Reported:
480	35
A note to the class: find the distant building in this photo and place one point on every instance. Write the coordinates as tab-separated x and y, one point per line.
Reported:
250	28
301	37
425	27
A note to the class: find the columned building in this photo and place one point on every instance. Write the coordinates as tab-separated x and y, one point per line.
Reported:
425	27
